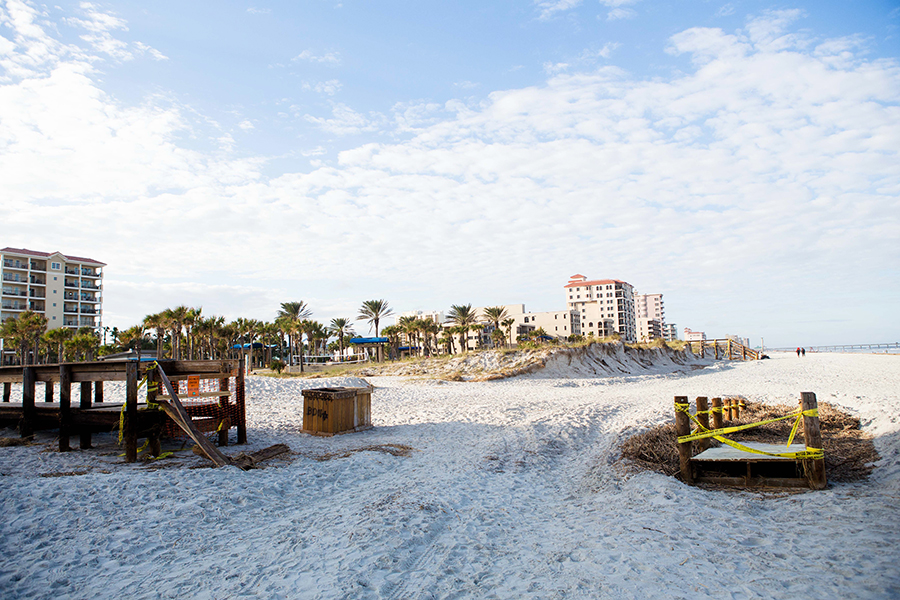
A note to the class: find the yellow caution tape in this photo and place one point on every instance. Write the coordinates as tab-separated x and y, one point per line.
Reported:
702	433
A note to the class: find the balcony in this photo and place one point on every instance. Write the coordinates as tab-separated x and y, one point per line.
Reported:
87	298
89	311
36	306
71	271
38	266
71	284
37	294
70	322
14	306
70	308
14	277
8	291
89	285
89	273
14	264
38	280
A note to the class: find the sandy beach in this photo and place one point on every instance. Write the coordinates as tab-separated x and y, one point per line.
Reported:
498	489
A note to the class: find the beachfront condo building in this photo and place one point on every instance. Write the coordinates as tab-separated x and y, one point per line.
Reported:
650	316
670	332
605	306
694	336
67	290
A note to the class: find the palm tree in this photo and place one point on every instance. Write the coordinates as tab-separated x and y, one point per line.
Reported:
508	323
293	312
372	311
408	326
158	323
58	337
23	332
191	318
392	333
133	337
495	315
464	317
340	327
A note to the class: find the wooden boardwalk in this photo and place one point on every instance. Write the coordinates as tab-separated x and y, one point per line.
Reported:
213	397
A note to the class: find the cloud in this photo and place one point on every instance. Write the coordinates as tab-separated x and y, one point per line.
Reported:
346	121
330	58
604	52
765	166
330	87
259	11
553	68
620	13
548	8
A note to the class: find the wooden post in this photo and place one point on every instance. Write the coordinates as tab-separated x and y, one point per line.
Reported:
26	425
155	446
131	392
717	413
223	413
98	392
703	417
683	427
727	409
65	403
736	407
85	433
7	391
48	391
240	400
815	469
716	349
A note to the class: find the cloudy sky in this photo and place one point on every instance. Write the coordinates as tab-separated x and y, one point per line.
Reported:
739	157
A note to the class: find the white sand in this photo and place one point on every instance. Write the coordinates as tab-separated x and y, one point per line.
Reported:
511	493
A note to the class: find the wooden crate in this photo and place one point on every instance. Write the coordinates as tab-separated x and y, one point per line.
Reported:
330	411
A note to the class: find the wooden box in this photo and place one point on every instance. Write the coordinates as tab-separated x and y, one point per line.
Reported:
329	411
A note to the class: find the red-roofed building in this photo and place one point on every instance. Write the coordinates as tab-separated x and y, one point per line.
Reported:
606	306
67	290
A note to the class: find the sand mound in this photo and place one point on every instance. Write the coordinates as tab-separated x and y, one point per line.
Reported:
593	360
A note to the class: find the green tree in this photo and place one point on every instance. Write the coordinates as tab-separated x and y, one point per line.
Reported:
373	311
464	318
340	327
495	315
57	337
290	314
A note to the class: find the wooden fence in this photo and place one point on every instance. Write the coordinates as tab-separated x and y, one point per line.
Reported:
730	349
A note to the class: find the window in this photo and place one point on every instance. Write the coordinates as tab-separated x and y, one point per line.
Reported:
55	266
54	304
54	278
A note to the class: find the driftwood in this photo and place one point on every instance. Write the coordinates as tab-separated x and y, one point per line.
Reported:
173	407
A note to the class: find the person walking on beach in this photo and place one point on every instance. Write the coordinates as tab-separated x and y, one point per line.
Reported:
798	352
803	351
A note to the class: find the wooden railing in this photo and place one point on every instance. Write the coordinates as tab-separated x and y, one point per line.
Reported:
727	348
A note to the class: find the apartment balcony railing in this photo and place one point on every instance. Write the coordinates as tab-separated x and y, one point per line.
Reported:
70	309
88	311
89	273
37	294
89	285
13	306
71	284
70	322
71	271
14	292
14	264
38	281
36	306
14	277
88	298
38	267
86	323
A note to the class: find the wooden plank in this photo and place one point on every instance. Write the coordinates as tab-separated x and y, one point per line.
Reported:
240	402
815	469
65	402
727	453
248	461
176	411
774	482
223	394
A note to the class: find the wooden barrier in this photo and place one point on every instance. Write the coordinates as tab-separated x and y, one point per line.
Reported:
732	466
726	348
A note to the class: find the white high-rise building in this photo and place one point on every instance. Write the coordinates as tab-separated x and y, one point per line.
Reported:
605	306
650	314
67	290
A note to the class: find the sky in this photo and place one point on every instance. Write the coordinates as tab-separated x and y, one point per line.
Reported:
741	158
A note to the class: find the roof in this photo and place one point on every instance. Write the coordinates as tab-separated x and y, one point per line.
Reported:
592	282
49	254
369	340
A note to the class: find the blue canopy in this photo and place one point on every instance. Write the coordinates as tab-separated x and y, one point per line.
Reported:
369	340
247	345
